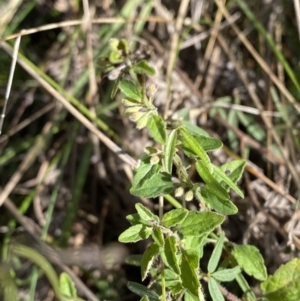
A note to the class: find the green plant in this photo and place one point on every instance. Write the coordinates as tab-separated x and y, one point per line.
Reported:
172	259
63	286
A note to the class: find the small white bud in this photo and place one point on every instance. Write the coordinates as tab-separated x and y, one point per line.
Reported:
179	192
154	160
189	196
142	122
134	109
136	116
152	88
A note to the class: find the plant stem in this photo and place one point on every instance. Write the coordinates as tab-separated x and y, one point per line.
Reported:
163	284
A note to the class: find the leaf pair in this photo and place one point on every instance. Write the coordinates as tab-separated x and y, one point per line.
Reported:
150	182
215	193
118	50
182	258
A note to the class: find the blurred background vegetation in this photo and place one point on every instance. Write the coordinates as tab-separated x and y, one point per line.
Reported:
232	66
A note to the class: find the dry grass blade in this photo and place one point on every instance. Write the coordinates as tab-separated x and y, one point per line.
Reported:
260	107
109	143
173	51
210	47
26	163
8	10
80	22
27	121
255	171
33	229
258	58
10	79
297	12
229	70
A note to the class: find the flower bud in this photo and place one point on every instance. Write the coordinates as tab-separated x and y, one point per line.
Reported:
189	196
142	122
152	88
113	43
134	109
136	116
179	192
154	160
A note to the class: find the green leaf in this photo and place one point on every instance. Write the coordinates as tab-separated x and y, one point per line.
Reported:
227	275
189	297
198	223
142	291
123	46
134	260
228	181
252	127
192	255
188	274
8	287
284	284
243	284
214	290
234	170
143	67
149	150
170	151
158	184
157	129
207	143
144	172
128	103
170	257
148	258
196	148
116	57
143	121
145	213
158	236
135	233
113	44
212	184
193	129
234	122
250	260
174	217
176	288
216	254
130	90
135	219
183	114
172	280
145	298
115	87
67	286
221	206
195	243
